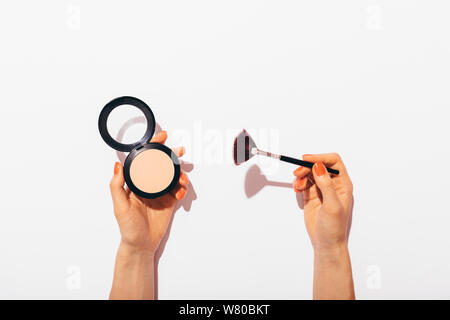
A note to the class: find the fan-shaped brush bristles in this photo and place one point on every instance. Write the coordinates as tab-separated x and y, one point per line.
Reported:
242	147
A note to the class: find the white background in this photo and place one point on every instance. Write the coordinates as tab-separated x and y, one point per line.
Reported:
367	79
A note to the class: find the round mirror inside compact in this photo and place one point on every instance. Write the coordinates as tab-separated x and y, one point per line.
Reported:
150	169
127	124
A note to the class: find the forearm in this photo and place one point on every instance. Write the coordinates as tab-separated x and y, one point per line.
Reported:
333	274
134	274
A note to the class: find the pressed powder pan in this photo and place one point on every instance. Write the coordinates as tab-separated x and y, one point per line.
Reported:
150	169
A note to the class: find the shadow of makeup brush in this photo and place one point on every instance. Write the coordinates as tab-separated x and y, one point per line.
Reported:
244	148
255	181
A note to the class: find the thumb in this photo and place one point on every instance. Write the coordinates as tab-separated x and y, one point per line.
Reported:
322	178
119	196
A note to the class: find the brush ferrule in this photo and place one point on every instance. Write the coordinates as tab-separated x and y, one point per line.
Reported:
265	153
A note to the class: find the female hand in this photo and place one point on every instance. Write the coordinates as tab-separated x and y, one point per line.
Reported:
328	200
143	222
328	206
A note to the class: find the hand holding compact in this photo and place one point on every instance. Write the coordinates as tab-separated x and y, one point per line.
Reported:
143	222
328	200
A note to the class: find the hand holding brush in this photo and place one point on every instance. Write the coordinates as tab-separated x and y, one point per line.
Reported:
327	210
327	193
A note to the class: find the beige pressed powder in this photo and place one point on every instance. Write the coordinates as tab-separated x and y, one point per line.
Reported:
152	171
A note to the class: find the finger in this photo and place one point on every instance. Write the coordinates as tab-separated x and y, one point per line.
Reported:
331	160
323	180
301	172
184	180
179	192
179	151
160	137
118	193
312	192
300	184
309	182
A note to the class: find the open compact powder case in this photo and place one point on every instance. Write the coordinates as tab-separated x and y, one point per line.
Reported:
150	169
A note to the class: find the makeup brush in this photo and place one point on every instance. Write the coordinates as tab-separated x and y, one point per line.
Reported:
244	148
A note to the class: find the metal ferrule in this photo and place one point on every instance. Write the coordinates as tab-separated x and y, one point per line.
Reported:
265	153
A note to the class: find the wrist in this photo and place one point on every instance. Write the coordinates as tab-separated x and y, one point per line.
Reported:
134	273
331	254
130	251
333	273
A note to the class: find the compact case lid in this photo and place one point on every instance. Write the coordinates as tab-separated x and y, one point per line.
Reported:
110	106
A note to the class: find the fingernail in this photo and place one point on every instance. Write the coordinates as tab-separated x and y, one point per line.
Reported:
180	194
297	171
319	169
299	183
116	167
184	178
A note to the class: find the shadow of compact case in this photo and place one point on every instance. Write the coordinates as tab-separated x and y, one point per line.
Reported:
150	169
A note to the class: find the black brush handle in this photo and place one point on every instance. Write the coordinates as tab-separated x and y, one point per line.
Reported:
304	163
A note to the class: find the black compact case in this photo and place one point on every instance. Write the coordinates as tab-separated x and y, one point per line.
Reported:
136	148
